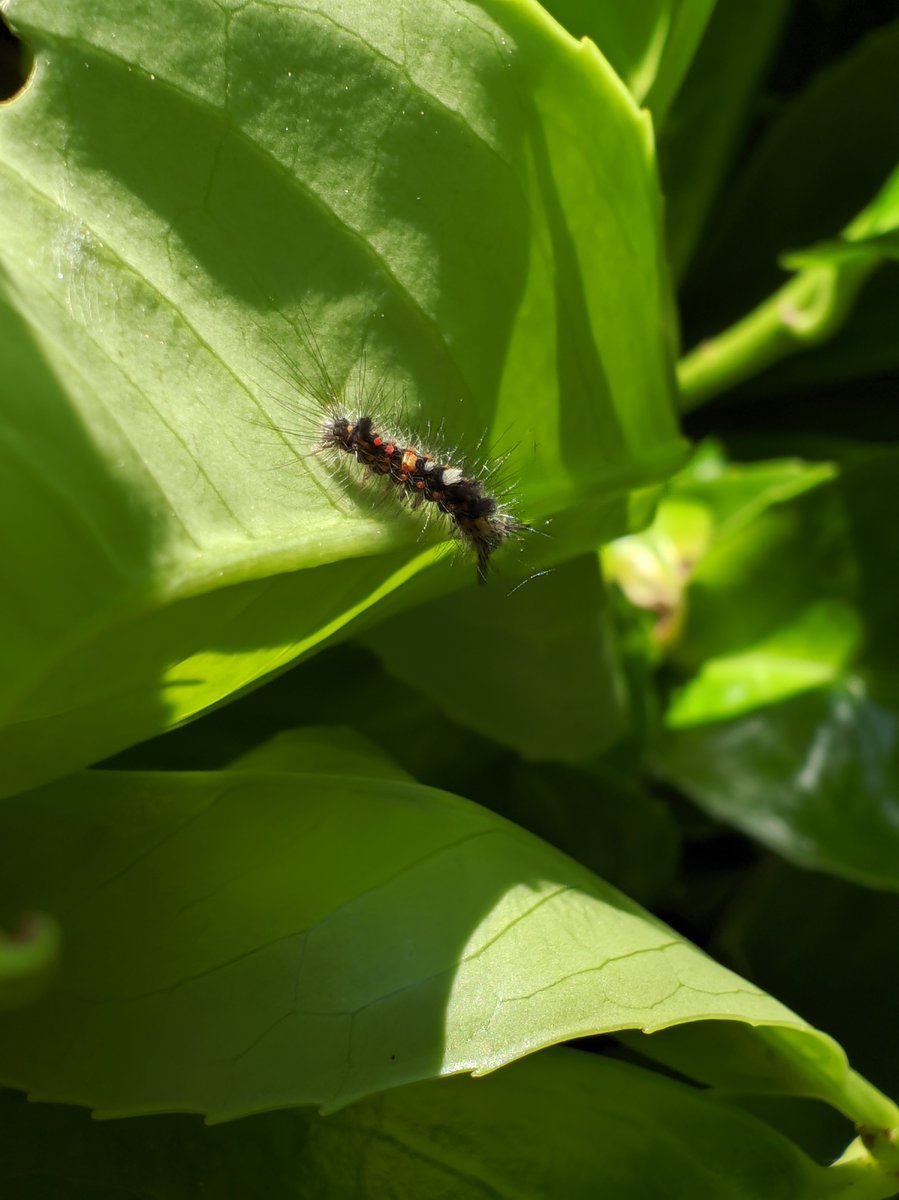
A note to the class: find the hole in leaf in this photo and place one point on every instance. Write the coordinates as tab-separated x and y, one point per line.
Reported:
16	63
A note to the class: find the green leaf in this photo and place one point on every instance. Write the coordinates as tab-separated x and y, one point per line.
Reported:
829	919
861	199
783	577
561	1123
650	45
705	129
564	1123
600	817
814	648
783	716
50	1151
491	650
826	153
174	229
814	778
737	493
696	561
238	942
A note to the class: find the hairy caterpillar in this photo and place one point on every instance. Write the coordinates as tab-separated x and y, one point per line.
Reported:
477	516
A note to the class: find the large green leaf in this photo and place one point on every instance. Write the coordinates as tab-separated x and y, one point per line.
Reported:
252	939
601	817
561	1123
184	188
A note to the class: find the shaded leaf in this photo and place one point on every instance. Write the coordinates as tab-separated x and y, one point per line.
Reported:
828	918
814	778
707	123
816	302
54	1152
537	670
772	1059
598	816
821	160
561	1123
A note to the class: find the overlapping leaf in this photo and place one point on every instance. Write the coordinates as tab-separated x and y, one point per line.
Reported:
561	1122
248	940
782	715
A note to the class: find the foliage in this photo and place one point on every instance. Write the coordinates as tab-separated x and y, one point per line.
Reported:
296	820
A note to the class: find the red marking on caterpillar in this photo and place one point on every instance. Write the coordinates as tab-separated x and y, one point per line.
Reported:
478	518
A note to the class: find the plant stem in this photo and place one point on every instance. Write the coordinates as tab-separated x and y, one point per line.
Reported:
856	1175
809	308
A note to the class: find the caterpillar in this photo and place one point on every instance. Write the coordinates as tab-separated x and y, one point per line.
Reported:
478	518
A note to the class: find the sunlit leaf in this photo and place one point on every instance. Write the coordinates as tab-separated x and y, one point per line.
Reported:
238	942
650	45
186	201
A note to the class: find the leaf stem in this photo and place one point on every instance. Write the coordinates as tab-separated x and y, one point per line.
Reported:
859	1174
808	309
